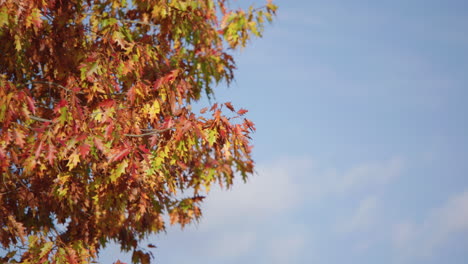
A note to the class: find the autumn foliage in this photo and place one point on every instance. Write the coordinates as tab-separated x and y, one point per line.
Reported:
98	138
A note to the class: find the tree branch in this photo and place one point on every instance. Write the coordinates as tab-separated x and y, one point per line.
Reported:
55	84
153	132
39	119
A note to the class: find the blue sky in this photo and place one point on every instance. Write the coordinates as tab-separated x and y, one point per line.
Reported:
361	145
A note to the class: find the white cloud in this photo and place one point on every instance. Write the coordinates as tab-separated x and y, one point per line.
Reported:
440	226
363	217
286	249
287	184
448	220
402	234
275	190
232	244
260	218
372	173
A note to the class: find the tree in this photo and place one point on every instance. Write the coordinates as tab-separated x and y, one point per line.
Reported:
98	139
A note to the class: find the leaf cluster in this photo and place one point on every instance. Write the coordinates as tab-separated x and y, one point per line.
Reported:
98	140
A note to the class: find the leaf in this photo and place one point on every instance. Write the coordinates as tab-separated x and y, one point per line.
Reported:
109	130
154	109
99	145
31	106
120	155
242	111
73	160
203	110
92	69
11	254
39	149
84	150
214	107
212	136
131	94
36	17
3	16
18	43
229	105
19	138
46	248
98	135
63	115
120	169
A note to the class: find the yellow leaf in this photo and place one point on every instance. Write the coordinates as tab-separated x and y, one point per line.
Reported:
73	160
226	150
154	110
17	43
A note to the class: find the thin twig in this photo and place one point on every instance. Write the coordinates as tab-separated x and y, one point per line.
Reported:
10	191
55	84
40	119
153	132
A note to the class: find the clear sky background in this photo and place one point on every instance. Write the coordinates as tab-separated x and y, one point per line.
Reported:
361	145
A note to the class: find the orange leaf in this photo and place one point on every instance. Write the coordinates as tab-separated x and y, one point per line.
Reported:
19	138
229	105
242	111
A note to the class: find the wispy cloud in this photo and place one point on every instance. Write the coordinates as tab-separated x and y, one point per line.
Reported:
439	227
362	218
258	218
286	249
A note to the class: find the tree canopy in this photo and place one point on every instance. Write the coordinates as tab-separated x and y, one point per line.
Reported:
98	139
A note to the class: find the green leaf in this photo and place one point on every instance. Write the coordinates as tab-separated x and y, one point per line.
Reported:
92	69
46	249
11	254
3	16
212	136
63	115
118	171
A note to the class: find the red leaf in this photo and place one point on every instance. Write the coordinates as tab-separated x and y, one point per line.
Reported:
131	94
119	156
81	137
31	104
107	103
62	103
203	110
84	150
99	145
109	130
242	111
157	83
51	153
39	148
143	149
238	130
167	123
249	124
229	105
215	106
